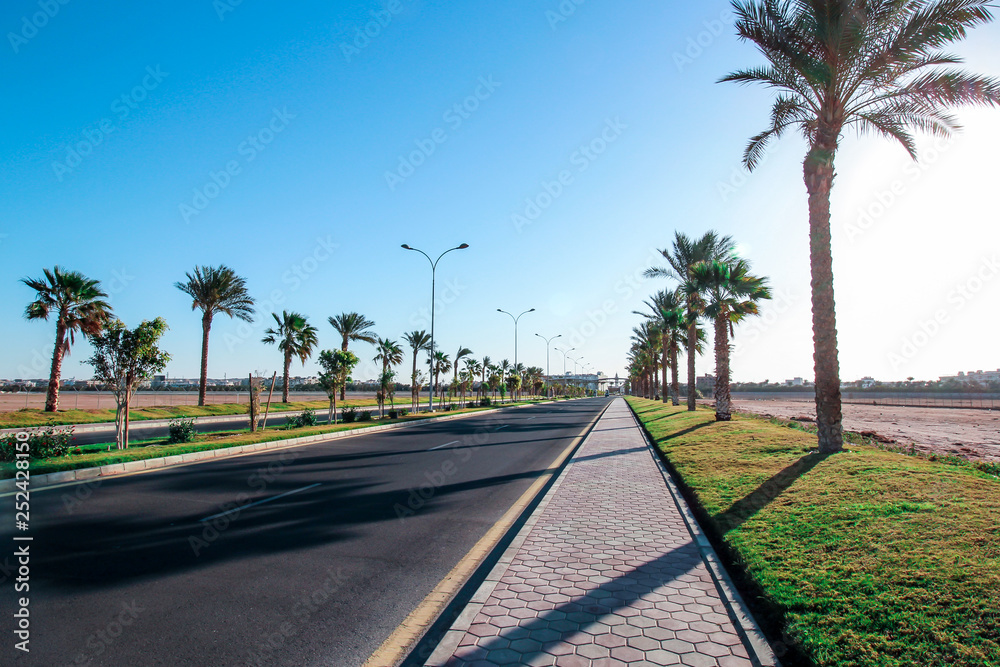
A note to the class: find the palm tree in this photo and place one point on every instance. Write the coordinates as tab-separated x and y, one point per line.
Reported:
79	306
518	370
474	368
494	379
873	66
441	363
353	326
731	295
483	368
504	369
295	338
462	353
684	255
390	354
418	341
215	290
668	314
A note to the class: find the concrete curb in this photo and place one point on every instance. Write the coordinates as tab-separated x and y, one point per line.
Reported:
134	467
756	644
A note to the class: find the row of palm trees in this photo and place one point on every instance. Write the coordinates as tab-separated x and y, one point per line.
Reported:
79	306
877	66
713	283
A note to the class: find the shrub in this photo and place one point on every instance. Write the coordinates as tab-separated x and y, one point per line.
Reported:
395	413
403	412
449	407
392	414
364	416
484	403
42	444
181	430
349	416
306	418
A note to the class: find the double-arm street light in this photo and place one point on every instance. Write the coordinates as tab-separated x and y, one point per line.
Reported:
564	353
547	341
575	362
515	328
434	263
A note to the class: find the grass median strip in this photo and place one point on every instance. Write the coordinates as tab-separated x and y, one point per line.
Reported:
866	557
93	456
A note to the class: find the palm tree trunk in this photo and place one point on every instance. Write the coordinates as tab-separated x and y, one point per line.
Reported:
52	393
664	364
818	174
206	327
414	394
675	385
343	389
284	388
692	347
723	410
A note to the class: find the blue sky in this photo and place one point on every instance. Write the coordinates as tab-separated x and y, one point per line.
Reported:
564	147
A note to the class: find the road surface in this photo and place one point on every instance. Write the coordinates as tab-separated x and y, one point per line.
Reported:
308	556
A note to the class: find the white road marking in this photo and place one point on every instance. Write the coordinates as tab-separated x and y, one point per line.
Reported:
453	442
260	502
500	427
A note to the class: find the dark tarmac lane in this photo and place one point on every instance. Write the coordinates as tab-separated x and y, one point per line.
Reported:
307	556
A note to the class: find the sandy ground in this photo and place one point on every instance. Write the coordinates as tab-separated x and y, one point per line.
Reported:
972	434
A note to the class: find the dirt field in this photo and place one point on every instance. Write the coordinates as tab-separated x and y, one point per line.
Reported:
972	434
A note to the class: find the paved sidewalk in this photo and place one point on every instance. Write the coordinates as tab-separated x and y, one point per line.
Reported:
607	572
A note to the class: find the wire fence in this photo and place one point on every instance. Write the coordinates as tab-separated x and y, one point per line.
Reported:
967	400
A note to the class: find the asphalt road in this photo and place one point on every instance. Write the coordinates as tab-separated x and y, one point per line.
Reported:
325	549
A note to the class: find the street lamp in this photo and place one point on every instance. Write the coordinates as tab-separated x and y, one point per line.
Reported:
515	328
547	341
434	263
575	362
564	353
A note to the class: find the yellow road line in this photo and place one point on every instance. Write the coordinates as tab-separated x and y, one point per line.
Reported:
399	644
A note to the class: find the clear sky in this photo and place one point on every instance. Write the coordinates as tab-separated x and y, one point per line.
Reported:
145	138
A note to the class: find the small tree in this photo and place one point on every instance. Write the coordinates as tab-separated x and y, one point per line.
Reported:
123	358
256	383
336	368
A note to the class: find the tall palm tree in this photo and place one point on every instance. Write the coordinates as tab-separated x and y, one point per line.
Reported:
483	369
687	252
731	294
504	368
390	354
79	306
668	313
295	338
873	66
474	368
353	326
441	364
494	379
418	341
215	290
462	353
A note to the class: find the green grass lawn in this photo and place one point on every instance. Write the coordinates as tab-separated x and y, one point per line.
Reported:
98	454
32	417
866	557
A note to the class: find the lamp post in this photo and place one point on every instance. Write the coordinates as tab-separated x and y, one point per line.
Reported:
434	263
547	374
575	362
564	353
515	328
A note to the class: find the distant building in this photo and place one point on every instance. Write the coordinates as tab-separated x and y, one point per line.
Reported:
984	377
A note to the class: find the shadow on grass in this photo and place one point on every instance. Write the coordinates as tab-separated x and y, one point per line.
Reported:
743	509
